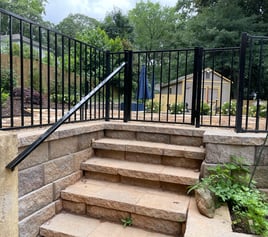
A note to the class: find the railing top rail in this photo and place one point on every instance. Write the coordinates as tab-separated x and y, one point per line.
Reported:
221	49
163	50
46	28
56	125
258	37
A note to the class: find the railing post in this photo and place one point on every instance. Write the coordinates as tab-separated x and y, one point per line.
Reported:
107	98
128	85
240	86
196	93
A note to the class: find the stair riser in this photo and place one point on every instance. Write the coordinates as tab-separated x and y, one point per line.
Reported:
173	187
155	137
150	158
140	221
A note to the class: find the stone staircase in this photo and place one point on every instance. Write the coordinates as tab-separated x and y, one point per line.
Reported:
138	182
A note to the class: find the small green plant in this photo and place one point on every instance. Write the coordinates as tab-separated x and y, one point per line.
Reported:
228	108
127	221
205	109
262	110
6	79
4	96
230	183
65	99
152	107
177	108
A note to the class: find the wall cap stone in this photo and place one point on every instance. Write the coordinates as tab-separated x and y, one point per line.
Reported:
221	136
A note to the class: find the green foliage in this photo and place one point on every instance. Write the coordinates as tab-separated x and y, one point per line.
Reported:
74	24
4	96
177	108
154	26
127	221
222	22
229	182
31	9
152	107
262	110
99	39
117	25
205	109
229	108
66	99
5	79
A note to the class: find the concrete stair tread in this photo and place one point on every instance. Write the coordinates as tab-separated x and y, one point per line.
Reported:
132	199
70	225
154	172
191	152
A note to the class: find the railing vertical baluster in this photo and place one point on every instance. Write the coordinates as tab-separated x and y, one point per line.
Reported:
107	99
56	77
69	74
86	78
128	86
31	73
1	72
40	77
197	90
242	61
11	71
62	75
21	74
260	76
75	81
48	77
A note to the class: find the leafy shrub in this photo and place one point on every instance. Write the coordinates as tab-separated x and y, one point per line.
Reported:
28	95
152	107
4	96
205	109
65	99
262	110
5	79
228	108
177	108
229	183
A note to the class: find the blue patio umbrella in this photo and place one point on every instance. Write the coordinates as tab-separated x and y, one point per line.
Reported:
144	91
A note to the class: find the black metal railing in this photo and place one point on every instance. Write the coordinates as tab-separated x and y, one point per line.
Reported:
252	114
44	73
56	125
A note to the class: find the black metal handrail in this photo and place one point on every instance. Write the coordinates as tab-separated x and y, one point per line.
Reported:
48	132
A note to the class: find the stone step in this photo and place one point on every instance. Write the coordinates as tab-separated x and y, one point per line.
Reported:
69	225
151	209
150	152
129	172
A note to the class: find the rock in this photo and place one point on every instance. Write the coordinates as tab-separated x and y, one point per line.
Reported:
205	202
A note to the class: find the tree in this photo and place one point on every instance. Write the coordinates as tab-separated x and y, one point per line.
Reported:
76	23
117	25
98	38
154	26
31	9
100	42
218	25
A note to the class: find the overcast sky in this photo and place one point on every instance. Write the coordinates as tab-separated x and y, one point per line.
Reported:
56	10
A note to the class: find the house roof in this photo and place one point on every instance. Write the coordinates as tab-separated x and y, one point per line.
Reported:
190	76
16	39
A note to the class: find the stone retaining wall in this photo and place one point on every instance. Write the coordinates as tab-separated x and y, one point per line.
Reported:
8	186
56	163
49	169
222	144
